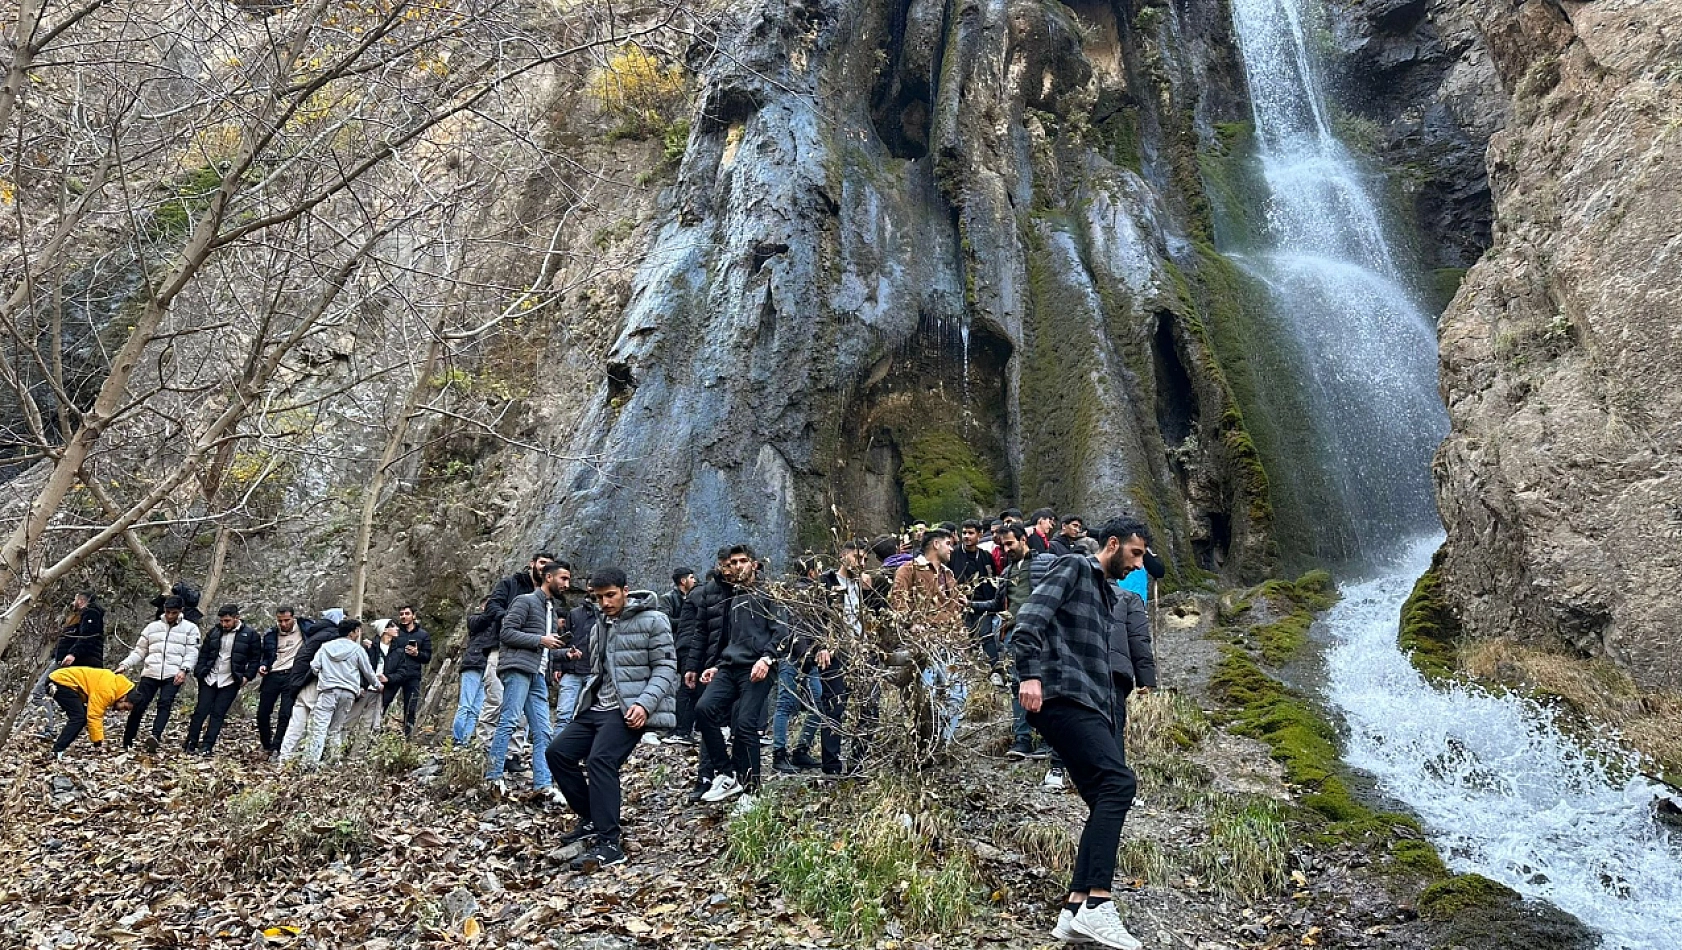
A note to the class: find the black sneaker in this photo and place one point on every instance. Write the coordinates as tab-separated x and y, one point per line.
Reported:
151	745
604	855
701	787
514	763
780	762
1040	753
1020	749
582	831
802	760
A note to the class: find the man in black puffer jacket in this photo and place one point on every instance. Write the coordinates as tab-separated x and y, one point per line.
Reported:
572	664
700	628
411	651
228	659
738	678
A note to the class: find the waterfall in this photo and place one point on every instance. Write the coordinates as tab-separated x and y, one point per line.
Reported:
1501	790
1364	351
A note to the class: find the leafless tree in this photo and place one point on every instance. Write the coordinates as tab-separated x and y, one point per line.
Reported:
203	201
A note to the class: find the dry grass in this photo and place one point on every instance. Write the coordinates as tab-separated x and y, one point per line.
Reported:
1651	722
1163	725
1047	844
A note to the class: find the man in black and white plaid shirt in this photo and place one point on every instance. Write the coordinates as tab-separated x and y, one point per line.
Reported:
1062	651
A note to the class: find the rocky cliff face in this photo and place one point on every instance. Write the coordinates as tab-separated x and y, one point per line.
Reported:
1562	352
924	258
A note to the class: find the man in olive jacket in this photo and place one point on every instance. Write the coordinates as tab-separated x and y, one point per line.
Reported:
632	688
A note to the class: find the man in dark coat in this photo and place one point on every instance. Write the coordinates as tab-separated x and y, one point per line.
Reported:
700	623
410	652
228	658
736	670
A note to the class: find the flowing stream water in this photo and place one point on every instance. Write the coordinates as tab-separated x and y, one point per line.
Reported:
1501	789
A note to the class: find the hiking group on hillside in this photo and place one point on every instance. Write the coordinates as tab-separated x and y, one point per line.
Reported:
1056	613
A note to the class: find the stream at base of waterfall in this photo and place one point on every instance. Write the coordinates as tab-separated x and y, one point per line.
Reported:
1502	790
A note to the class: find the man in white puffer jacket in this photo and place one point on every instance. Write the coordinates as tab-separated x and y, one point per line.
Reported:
166	650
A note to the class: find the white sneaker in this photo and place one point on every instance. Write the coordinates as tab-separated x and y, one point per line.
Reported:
1053	779
1065	930
1103	924
997	680
649	738
554	795
724	788
499	787
742	805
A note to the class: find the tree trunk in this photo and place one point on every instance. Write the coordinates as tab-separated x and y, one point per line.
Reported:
15	709
382	473
218	560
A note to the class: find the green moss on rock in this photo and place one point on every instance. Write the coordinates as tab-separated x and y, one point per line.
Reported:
944	479
1430	633
1474	911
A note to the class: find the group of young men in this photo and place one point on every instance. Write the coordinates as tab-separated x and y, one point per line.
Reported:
304	670
706	657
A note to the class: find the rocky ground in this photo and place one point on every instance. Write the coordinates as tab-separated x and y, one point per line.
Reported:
407	848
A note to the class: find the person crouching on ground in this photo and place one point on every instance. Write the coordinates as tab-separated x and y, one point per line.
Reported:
85	693
632	688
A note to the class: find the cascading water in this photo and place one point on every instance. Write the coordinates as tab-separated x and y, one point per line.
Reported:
1501	789
1364	352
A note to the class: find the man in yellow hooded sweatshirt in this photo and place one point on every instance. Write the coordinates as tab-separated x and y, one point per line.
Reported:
85	693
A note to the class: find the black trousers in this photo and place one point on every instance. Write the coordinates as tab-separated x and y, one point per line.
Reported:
686	698
275	697
75	707
411	701
1085	740
213	705
585	760
1118	714
165	690
832	710
735	698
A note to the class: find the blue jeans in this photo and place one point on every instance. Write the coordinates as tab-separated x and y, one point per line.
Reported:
468	707
788	703
571	685
522	692
947	693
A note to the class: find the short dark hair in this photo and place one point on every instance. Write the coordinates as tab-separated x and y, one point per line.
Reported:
736	549
173	603
1011	528
679	574
284	610
89	594
856	544
807	564
541	555
723	553
609	577
885	547
554	567
1074	519
1122	528
934	534
132	697
411	607
1010	513
1043	513
228	610
349	624
972	523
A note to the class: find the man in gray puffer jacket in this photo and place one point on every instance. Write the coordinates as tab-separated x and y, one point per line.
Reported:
632	688
529	632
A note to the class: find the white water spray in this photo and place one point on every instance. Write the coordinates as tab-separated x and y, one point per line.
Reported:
1364	351
1502	791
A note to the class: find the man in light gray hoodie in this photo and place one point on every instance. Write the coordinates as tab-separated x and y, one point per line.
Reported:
342	673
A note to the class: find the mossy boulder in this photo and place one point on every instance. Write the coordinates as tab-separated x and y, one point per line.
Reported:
1475	911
